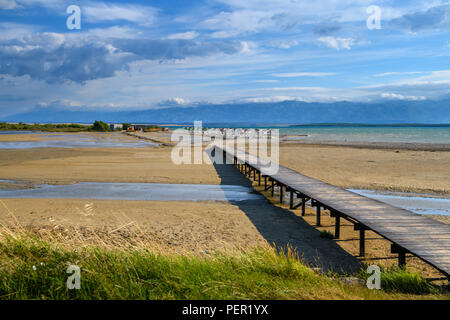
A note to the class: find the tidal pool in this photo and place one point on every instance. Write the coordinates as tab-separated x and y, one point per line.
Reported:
136	191
417	203
58	140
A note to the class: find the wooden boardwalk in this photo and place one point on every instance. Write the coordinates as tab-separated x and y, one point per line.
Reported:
409	233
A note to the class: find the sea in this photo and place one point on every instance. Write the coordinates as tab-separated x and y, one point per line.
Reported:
422	133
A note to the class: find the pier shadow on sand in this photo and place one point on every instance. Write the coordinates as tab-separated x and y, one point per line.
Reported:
282	228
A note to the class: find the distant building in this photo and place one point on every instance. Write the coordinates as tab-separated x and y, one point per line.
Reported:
146	127
115	126
140	127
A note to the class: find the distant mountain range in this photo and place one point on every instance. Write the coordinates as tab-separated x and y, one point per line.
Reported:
292	112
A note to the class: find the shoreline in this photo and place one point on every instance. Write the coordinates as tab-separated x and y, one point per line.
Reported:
412	146
411	168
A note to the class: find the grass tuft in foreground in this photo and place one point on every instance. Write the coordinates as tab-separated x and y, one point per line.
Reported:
32	268
397	279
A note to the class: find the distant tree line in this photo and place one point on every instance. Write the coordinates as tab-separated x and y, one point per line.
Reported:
43	127
98	126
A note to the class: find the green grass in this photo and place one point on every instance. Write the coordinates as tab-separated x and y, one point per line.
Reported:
114	273
73	127
397	279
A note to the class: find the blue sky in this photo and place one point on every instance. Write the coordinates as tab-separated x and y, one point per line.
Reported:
153	54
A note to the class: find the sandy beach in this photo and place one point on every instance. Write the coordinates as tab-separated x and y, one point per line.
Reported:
199	227
70	165
357	168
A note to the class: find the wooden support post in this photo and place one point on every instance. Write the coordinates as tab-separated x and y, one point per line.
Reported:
291	200
265	183
362	242
318	215
281	193
303	206
273	187
402	259
362	238
401	254
337	226
259	178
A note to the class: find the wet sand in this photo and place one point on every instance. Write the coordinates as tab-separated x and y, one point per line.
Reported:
414	146
371	169
70	165
198	227
71	140
357	168
177	226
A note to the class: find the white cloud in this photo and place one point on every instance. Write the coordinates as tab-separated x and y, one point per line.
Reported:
283	44
143	15
395	96
436	75
9	30
254	16
184	35
238	22
337	43
303	74
8	5
173	102
386	74
266	81
272	99
247	46
113	32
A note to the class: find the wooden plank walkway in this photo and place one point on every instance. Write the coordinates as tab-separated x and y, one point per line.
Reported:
410	233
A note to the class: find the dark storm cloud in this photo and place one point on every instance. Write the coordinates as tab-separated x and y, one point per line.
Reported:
433	18
53	58
175	49
326	28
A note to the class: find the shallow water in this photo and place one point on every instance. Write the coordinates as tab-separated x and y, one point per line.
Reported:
58	140
417	203
440	135
19	132
136	191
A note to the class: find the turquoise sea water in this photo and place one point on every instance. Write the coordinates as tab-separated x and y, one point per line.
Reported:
372	134
438	134
345	133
